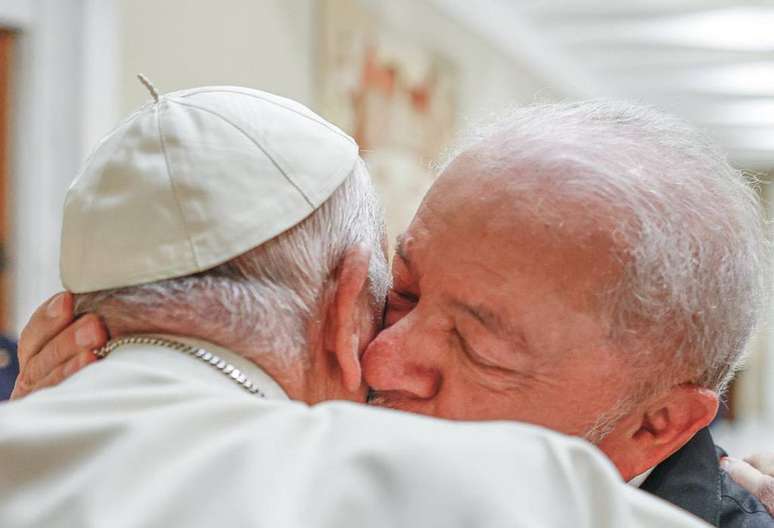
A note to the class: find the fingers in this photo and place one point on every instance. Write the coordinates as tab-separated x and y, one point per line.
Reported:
19	390
760	485
58	375
62	372
85	335
48	320
743	473
64	354
763	462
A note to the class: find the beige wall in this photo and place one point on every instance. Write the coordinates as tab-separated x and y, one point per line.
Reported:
265	44
270	45
490	79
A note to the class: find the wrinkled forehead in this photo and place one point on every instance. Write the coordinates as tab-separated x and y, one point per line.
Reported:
549	202
471	217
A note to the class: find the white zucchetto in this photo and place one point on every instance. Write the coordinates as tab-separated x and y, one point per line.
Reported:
194	179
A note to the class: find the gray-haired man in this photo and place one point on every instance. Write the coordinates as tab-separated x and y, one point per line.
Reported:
596	268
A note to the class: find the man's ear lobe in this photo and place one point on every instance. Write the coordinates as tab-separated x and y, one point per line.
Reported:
351	284
671	421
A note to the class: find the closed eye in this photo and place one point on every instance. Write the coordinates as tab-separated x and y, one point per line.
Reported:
478	359
398	305
398	297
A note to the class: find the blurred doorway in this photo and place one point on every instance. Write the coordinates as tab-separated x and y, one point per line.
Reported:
6	49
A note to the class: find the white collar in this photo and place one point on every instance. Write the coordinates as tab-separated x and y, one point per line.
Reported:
195	368
641	478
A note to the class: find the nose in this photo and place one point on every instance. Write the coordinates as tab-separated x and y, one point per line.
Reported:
396	362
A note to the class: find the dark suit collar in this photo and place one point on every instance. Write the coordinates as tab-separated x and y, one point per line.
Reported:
690	479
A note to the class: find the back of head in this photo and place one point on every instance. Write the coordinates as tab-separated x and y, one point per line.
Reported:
262	300
692	252
220	213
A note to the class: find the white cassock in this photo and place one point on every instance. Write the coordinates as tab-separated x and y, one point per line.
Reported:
153	437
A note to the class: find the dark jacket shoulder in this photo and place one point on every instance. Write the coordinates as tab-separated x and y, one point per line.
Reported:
692	479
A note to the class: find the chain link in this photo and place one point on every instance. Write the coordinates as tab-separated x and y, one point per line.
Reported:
236	375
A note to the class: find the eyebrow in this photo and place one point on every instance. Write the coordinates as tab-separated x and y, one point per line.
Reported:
485	316
493	322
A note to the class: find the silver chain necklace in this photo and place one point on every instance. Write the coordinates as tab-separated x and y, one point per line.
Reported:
226	368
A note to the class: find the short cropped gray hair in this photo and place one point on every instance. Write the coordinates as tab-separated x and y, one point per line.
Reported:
266	297
688	226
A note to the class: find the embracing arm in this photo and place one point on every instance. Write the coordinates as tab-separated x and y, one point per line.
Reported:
54	345
412	471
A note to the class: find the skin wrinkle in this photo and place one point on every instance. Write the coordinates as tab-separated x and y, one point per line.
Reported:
517	380
493	322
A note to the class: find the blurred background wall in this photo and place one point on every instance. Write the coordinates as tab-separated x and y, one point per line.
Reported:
402	76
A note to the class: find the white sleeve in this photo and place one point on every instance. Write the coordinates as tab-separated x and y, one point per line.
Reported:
118	461
420	472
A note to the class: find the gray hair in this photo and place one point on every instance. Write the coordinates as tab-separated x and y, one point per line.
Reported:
689	228
267	297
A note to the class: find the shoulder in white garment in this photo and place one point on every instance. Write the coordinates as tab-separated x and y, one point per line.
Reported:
151	437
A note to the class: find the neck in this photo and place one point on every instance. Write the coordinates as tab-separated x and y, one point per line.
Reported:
292	378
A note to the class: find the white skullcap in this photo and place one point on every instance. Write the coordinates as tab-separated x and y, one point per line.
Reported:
194	179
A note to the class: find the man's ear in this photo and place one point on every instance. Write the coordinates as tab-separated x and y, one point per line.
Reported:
647	437
344	337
